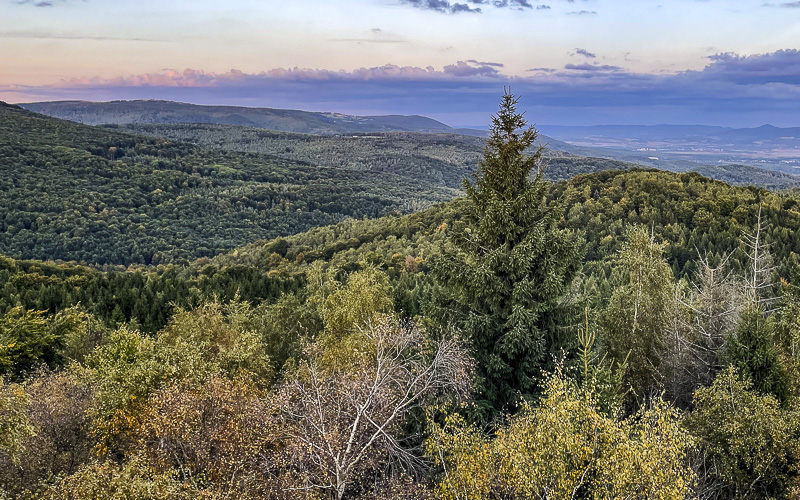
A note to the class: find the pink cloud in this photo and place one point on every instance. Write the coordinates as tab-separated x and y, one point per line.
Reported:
199	78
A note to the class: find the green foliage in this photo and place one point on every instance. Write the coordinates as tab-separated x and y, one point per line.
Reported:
256	373
690	212
788	327
14	423
110	481
755	352
565	447
434	158
81	193
357	303
30	338
146	298
635	320
513	266
284	328
128	367
749	445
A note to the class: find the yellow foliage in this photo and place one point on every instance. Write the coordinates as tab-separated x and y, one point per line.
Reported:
564	448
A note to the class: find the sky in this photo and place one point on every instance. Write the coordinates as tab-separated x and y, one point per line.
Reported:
572	62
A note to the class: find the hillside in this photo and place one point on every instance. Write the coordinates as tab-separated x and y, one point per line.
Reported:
289	120
689	212
668	147
76	192
439	158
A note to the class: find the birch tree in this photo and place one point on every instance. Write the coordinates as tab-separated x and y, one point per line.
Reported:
344	422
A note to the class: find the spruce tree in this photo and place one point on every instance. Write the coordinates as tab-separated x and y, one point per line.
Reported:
512	264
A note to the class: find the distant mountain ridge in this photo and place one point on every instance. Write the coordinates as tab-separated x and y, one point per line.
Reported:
286	120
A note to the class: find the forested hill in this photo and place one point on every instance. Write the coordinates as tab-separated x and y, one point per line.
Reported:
440	157
694	215
75	192
101	196
148	111
437	158
688	211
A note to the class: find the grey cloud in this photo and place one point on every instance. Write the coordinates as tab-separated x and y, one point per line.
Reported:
592	67
443	6
40	3
472	68
471	6
582	13
43	3
785	5
542	7
481	63
782	66
585	53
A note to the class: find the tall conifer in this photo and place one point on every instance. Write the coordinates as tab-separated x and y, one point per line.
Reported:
512	265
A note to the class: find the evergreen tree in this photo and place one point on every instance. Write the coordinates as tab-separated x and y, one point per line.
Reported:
755	352
503	284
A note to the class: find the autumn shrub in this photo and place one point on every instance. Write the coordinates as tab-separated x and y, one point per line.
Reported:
59	439
196	345
213	435
131	481
14	423
749	446
564	447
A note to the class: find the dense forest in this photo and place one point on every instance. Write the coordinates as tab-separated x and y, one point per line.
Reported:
74	192
619	334
442	158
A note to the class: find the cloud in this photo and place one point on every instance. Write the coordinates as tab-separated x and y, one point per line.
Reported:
585	53
582	13
785	5
471	6
592	67
480	63
543	7
192	78
467	68
36	3
369	40
781	67
736	90
443	6
40	3
50	35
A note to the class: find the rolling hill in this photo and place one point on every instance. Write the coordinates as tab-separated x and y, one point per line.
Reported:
76	192
288	120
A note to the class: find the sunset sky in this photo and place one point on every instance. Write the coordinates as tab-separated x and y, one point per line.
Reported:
575	62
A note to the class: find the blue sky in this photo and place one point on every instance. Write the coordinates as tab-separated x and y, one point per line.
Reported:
574	62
